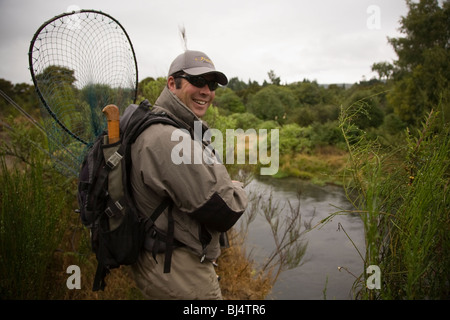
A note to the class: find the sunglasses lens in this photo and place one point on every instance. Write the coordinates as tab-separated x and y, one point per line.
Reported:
200	82
213	85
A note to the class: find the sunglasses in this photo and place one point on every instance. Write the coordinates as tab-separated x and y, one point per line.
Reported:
200	82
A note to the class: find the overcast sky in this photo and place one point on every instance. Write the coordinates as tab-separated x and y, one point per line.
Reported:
330	41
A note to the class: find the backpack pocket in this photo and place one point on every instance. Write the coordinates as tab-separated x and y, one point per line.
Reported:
122	244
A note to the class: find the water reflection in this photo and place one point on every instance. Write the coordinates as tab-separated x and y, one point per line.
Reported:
328	248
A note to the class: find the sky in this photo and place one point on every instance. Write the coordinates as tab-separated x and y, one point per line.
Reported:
327	41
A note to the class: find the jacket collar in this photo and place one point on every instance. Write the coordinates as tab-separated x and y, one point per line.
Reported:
172	104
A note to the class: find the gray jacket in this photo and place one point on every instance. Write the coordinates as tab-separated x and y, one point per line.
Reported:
203	194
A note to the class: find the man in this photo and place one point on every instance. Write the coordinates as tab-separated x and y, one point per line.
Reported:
206	202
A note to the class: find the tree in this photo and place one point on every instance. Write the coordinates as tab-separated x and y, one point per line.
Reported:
308	92
273	78
272	103
384	70
227	99
56	75
422	72
250	89
236	85
151	89
142	84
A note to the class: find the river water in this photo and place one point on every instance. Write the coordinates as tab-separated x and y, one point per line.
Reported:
328	247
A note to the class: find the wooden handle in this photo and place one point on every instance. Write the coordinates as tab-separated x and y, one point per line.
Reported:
113	117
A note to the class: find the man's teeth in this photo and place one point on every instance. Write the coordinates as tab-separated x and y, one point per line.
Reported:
200	102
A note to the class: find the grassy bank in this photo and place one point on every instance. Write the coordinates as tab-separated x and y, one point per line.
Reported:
325	166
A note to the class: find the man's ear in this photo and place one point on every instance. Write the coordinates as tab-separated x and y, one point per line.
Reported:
171	83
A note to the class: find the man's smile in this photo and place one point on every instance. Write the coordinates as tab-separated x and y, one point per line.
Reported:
200	102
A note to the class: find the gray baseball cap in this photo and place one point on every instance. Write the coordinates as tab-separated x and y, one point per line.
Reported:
196	63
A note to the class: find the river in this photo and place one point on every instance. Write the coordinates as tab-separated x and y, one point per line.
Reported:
319	275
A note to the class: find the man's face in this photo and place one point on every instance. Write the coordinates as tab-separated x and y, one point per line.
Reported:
196	99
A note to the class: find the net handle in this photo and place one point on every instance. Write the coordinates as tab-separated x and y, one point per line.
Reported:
113	117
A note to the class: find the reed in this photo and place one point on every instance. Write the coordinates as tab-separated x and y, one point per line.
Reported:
402	196
32	224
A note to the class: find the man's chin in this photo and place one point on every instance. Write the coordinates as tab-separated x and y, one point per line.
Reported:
199	112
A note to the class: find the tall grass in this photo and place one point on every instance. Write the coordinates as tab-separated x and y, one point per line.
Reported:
402	195
32	224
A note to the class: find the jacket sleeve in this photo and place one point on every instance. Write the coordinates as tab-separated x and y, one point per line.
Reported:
203	191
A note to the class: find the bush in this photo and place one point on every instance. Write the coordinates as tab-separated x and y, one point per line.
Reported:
326	134
227	100
272	103
294	139
246	120
393	124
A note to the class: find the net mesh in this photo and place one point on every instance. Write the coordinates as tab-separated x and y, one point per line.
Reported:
80	62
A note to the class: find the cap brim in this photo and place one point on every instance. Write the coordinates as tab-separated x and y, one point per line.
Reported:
220	77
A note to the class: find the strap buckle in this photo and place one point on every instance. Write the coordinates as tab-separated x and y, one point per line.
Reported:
114	211
114	160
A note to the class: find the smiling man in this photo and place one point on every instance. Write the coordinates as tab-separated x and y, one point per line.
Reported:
200	80
204	201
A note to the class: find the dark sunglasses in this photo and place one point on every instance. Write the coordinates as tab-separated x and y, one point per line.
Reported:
200	82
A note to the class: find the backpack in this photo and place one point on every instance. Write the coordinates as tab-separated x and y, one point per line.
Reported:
106	206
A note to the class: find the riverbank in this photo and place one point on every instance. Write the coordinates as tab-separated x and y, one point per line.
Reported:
324	166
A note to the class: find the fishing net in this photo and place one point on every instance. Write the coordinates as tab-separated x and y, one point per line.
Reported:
80	62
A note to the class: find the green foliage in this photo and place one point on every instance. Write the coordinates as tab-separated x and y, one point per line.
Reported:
307	115
326	134
141	84
33	219
367	109
152	89
393	124
228	101
384	70
308	92
55	75
403	199
236	85
215	120
242	89
246	120
273	78
295	139
268	125
422	72
23	94
303	116
272	103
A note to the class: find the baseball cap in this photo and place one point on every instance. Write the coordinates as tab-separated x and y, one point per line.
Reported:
196	63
